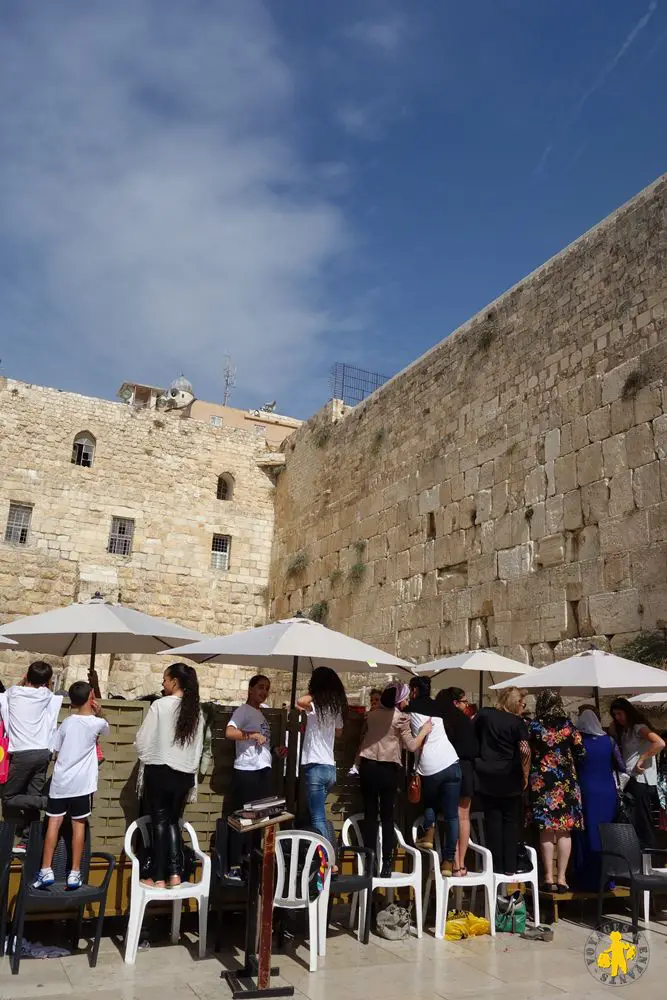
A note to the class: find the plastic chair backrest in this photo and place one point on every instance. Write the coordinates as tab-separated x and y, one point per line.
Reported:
353	837
7	831
620	838
293	868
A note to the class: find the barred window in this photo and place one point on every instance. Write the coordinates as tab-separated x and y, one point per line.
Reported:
18	523
216	421
83	450
225	486
220	548
120	536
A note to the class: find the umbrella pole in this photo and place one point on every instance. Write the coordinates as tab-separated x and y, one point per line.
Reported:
293	743
295	670
481	688
596	695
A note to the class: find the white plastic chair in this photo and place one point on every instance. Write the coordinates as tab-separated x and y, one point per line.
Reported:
352	837
528	878
444	885
293	885
141	895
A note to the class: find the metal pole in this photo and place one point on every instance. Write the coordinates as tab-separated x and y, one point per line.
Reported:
596	694
295	670
481	688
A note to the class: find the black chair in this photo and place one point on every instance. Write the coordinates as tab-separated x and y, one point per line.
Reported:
7	832
358	882
57	897
623	861
226	893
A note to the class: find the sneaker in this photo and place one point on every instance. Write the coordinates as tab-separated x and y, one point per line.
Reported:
354	771
21	847
45	878
235	874
425	842
74	880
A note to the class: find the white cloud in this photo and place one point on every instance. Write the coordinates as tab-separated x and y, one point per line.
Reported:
383	35
360	121
151	181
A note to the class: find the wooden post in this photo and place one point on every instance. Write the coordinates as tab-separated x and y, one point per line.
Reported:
266	909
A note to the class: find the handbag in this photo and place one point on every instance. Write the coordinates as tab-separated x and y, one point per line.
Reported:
415	784
393	923
511	914
4	754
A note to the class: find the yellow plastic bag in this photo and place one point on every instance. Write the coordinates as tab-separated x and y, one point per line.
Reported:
463	924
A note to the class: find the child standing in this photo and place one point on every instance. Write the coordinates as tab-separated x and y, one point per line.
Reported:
74	781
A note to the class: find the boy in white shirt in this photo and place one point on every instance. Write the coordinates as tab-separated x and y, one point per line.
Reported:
74	781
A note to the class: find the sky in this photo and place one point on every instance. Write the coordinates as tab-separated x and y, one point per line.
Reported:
296	183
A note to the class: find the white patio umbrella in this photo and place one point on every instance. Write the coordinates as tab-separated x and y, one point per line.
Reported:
94	626
659	698
295	644
6	642
593	670
478	661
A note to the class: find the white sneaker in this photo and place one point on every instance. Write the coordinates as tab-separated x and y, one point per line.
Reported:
74	880
45	878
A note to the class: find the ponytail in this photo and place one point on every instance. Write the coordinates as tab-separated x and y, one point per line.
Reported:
187	720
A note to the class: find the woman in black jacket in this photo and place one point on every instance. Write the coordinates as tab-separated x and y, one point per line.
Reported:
452	703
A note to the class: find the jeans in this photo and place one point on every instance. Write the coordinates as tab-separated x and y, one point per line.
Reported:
23	792
441	794
379	785
320	778
165	794
247	786
502	821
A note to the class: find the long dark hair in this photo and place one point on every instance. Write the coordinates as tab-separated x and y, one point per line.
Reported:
326	689
450	714
187	720
633	717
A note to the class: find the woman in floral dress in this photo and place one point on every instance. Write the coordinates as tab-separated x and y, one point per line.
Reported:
555	797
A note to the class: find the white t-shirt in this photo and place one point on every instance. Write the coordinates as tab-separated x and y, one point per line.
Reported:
318	740
30	716
75	771
633	745
249	755
437	753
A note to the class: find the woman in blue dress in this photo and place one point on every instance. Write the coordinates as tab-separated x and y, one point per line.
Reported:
599	797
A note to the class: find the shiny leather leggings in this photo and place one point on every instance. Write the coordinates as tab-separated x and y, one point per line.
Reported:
165	804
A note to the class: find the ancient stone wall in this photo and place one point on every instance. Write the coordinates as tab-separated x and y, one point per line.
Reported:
159	470
510	487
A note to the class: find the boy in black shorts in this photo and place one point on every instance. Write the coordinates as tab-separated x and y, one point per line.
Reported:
74	780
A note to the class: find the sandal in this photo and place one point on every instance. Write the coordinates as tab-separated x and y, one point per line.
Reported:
540	933
460	872
175	881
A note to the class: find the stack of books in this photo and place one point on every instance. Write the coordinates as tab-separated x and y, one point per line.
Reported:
260	809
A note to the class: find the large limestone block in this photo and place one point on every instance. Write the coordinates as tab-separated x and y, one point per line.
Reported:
660	435
625	534
589	464
572	512
616	612
599	423
565	473
639	445
536	485
552	444
595	501
550	550
614	455
657	519
621	495
515	562
558	621
646	485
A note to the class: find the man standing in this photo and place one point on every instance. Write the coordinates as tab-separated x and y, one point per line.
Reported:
30	715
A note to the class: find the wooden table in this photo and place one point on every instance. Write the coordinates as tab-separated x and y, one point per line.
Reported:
257	963
573	895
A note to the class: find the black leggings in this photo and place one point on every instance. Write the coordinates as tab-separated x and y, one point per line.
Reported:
379	785
502	821
165	794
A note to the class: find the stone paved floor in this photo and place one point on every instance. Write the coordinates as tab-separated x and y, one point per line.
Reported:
505	968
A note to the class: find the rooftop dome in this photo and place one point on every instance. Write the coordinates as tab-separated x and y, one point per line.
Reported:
181	384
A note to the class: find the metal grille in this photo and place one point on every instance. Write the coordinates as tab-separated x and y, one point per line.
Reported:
83	451
120	536
18	524
353	384
220	552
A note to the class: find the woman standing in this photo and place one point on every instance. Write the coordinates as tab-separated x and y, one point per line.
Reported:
556	748
387	734
640	744
501	773
599	797
438	766
325	706
169	745
461	731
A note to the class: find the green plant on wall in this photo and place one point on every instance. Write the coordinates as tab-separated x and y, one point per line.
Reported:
297	563
378	440
319	612
335	576
648	647
357	573
360	547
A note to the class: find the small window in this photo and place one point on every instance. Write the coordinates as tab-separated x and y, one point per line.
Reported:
18	524
83	450
225	486
216	421
220	549
120	536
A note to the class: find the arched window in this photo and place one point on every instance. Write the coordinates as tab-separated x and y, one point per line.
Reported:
225	486
83	449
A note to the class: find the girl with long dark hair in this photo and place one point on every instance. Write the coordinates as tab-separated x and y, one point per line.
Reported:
169	744
325	706
460	729
640	745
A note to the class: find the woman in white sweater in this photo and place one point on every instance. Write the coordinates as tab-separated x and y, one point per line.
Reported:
169	744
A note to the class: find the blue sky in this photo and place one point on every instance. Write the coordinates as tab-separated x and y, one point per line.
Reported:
298	183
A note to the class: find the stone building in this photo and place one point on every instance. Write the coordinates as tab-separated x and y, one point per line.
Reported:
169	512
509	488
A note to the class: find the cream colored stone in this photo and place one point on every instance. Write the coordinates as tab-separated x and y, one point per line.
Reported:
660	436
550	550
646	485
572	513
516	561
618	612
566	473
625	534
621	496
552	444
614	455
639	445
589	464
553	511
536	485
541	654
595	501
599	424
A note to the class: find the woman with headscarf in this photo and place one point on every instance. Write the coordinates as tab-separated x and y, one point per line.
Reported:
387	734
599	797
556	747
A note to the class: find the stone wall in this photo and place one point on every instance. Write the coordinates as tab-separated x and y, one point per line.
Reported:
509	488
159	470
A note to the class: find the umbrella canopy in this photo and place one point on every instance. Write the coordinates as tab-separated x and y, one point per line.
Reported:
96	627
479	661
296	644
6	642
593	669
649	699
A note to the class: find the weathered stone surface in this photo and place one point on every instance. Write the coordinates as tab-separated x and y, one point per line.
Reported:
565	473
614	455
639	445
572	512
589	464
595	501
516	561
552	444
621	495
618	612
625	534
599	424
646	485
550	550
536	485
